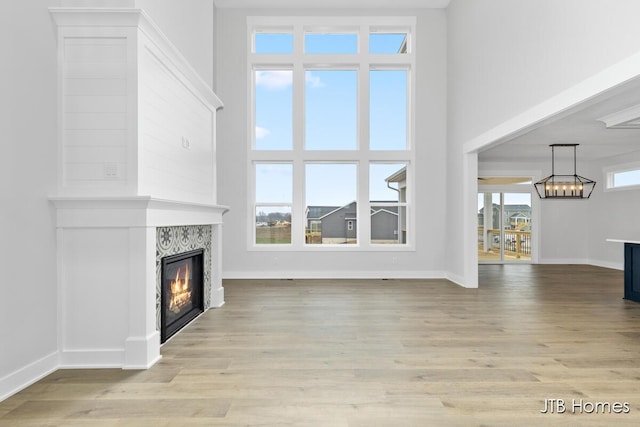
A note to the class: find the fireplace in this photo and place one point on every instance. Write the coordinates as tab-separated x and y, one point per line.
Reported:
181	291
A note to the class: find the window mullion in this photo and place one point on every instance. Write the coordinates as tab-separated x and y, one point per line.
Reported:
364	218
298	106
364	40
298	209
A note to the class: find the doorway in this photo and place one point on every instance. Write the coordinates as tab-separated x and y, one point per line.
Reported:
504	227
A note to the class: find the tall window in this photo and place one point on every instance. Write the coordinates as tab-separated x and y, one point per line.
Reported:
331	128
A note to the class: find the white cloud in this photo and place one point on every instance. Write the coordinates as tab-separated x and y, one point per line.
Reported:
274	79
313	80
281	79
262	132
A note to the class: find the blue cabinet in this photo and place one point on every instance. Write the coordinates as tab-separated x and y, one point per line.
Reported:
632	271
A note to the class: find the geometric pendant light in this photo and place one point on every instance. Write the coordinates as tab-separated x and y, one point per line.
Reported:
564	186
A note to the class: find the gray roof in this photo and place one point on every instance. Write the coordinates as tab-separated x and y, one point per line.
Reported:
319	212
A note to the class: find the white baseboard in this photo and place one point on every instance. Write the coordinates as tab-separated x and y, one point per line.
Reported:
563	261
142	352
458	280
24	377
607	264
341	274
217	297
90	359
594	262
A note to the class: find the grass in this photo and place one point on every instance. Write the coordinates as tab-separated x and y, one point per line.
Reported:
273	235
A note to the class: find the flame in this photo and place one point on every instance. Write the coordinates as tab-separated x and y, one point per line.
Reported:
180	291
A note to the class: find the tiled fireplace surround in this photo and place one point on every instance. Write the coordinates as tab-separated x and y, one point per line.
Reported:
176	240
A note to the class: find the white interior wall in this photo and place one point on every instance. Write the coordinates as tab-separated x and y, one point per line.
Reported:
27	177
28	119
564	231
611	215
233	142
506	57
189	26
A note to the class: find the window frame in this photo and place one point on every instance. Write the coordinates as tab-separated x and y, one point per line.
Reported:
268	204
609	176
363	62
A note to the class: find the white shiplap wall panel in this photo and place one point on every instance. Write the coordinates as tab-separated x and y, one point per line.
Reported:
95	104
95	86
97	155
136	120
94	174
95	117
175	146
97	138
95	121
110	50
106	70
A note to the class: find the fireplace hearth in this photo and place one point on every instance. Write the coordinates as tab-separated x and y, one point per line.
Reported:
181	292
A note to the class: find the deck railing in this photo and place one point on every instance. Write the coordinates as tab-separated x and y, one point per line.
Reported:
516	243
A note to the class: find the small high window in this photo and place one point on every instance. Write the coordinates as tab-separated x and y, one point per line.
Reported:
623	177
273	43
330	43
627	178
389	43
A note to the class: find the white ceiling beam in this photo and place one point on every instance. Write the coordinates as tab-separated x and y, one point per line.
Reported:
629	118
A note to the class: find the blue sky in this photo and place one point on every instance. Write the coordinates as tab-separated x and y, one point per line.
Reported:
622	179
331	119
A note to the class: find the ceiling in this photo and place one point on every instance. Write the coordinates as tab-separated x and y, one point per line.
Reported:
580	125
333	4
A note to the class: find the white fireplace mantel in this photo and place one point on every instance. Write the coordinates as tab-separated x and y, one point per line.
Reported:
107	275
136	151
135	211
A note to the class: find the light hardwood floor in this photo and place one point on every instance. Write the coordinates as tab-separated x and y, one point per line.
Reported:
375	353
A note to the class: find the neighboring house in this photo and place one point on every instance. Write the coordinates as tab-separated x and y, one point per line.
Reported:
520	221
384	224
400	179
516	215
338	224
